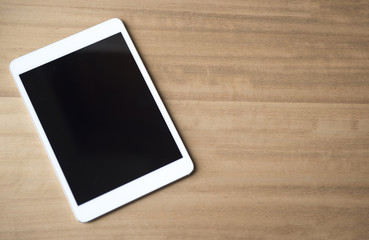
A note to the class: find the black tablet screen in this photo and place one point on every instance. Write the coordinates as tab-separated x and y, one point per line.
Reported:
100	118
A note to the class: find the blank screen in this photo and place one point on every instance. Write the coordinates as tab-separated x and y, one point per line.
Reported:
100	118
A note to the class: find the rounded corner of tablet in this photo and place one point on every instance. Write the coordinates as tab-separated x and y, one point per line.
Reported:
191	167
116	21
12	65
84	215
81	219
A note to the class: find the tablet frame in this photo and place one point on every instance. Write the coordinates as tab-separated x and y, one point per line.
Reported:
127	192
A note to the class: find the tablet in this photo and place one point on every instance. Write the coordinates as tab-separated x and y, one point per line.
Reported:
100	118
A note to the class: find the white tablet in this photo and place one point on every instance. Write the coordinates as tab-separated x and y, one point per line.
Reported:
102	123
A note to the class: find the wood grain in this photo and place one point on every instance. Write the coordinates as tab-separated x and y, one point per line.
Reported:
270	97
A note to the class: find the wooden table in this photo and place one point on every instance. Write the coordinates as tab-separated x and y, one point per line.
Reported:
270	97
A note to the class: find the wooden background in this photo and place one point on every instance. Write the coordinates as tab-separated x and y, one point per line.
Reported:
270	97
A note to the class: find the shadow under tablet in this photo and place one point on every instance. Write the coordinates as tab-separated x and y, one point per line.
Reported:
100	118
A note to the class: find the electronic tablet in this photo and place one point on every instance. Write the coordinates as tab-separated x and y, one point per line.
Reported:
100	118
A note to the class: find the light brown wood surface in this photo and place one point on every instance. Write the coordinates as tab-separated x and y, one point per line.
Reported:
270	97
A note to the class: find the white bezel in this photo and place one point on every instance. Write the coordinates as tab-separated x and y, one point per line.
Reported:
134	189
